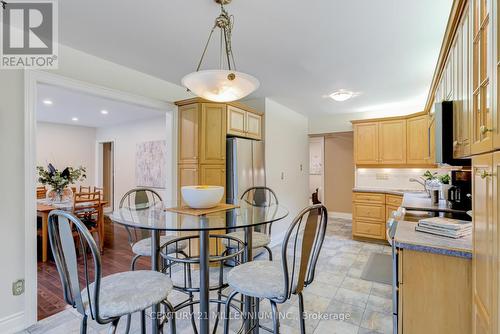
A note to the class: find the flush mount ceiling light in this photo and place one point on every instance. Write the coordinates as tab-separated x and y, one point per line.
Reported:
48	102
74	119
104	112
224	84
342	95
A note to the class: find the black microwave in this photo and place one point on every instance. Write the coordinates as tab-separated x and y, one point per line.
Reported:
444	114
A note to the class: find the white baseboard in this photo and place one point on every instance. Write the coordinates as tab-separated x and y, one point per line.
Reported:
12	323
343	215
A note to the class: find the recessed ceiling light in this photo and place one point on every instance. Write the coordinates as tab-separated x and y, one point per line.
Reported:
48	102
104	112
341	95
74	119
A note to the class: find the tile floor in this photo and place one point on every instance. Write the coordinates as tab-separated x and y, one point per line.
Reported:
337	302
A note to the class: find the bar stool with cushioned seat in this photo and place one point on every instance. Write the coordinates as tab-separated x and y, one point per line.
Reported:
277	281
104	299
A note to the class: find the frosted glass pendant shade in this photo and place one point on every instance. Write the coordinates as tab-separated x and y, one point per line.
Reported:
216	86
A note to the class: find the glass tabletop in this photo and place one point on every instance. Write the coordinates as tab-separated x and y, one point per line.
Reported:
157	218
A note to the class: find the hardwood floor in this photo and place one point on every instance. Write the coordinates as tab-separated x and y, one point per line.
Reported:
116	258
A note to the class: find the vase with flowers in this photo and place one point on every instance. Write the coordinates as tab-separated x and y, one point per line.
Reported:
59	181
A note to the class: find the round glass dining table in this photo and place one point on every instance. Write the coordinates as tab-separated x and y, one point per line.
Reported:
157	218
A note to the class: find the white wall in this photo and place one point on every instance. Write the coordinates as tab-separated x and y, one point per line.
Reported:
287	149
76	65
125	137
11	197
66	145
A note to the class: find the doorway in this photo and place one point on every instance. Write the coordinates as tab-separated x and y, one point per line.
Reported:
106	175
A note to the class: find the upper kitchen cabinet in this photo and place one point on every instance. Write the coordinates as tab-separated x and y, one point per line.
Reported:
482	113
392	142
366	143
244	123
418	148
189	120
213	133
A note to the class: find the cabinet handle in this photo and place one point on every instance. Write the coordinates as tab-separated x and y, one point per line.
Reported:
484	129
484	174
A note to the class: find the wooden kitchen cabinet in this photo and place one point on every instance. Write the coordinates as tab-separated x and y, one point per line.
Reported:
188	126
434	293
368	215
485	241
213	175
366	143
417	140
213	133
244	123
187	175
392	142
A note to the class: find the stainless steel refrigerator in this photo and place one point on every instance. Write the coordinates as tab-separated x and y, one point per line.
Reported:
245	166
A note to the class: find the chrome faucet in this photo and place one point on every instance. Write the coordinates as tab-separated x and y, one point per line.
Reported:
421	182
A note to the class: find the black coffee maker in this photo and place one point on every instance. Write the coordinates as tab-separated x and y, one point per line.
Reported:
460	193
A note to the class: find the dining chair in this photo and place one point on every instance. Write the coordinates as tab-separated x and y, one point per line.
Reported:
87	207
277	281
103	299
142	199
257	197
41	192
100	190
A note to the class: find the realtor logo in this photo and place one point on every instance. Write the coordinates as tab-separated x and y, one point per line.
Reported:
29	34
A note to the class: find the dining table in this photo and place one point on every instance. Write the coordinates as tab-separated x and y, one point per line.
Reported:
45	206
161	218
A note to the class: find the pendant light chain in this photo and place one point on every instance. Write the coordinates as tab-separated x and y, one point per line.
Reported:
224	22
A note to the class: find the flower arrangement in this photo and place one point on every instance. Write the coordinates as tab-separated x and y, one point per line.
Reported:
59	180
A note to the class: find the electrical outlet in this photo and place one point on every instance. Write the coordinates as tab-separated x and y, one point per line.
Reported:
382	176
282	175
18	287
301	169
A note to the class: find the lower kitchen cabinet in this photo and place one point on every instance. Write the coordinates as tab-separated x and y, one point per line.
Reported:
434	293
485	239
370	213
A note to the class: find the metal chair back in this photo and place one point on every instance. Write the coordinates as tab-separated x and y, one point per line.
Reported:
301	247
261	197
139	199
64	228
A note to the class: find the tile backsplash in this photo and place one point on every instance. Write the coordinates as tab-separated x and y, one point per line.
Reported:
391	178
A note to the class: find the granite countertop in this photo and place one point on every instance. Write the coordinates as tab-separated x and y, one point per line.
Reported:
398	192
407	238
420	202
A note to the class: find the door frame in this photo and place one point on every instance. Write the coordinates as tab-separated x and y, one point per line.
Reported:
98	163
31	79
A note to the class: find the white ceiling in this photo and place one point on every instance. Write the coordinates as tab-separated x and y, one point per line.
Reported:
87	108
301	51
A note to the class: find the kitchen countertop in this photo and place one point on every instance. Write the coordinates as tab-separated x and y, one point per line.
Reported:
407	238
420	202
398	192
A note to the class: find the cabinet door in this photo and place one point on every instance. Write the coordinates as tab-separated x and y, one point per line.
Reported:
482	118
187	176
462	130
189	117
253	125
392	142
213	133
484	239
213	175
432	141
417	140
236	121
366	143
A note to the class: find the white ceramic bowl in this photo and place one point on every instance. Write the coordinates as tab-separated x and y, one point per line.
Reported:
202	197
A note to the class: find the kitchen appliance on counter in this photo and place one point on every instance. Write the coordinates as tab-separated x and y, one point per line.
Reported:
460	193
444	135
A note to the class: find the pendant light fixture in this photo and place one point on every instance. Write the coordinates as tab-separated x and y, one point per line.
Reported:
223	84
